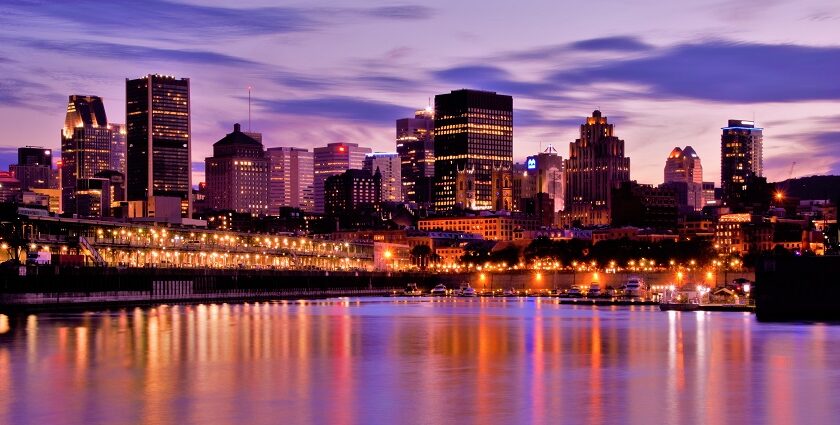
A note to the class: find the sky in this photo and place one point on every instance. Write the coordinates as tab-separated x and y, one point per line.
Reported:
665	73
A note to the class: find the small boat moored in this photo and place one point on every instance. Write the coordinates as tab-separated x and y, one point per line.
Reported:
439	290
466	290
411	290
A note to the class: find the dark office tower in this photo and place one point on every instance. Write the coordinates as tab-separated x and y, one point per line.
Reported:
85	145
34	168
740	160
335	158
473	130
238	175
352	192
117	147
416	148
596	165
158	137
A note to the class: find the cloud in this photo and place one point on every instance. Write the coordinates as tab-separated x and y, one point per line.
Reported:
345	108
20	92
611	44
721	71
134	53
492	78
404	12
166	19
815	153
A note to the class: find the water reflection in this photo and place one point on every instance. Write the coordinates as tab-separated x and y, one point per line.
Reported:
399	361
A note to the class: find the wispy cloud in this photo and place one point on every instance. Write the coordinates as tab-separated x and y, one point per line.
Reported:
346	108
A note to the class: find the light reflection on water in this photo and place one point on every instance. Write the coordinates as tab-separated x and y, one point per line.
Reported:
369	361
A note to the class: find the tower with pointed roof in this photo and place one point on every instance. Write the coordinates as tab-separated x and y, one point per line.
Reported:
684	173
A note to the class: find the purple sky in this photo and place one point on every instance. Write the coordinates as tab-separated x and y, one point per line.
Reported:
667	74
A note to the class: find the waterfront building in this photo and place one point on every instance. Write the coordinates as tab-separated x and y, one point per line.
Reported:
118	147
351	192
473	133
335	158
743	233
34	168
489	227
684	174
595	166
416	148
389	165
238	175
291	179
85	145
741	161
159	142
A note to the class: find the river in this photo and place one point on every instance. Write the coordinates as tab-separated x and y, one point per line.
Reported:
414	361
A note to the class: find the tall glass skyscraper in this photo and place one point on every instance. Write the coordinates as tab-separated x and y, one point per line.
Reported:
416	148
85	145
473	131
596	166
291	179
740	159
158	137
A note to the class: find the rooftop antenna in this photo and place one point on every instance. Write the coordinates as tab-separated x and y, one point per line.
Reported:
249	109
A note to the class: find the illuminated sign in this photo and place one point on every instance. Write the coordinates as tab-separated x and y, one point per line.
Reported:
747	122
532	163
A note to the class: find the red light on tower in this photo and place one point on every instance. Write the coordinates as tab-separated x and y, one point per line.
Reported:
341	148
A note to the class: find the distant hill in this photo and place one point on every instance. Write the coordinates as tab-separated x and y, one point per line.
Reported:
813	187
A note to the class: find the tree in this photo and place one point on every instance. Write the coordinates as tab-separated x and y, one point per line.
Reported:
421	253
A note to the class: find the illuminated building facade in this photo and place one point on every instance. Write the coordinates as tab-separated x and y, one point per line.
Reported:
740	160
158	137
335	158
684	173
351	192
595	166
473	130
489	227
501	180
34	168
237	175
85	145
389	166
416	148
541	173
291	179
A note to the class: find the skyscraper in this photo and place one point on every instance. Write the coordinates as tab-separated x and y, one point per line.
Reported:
33	168
291	179
595	166
85	145
740	160
416	148
238	174
389	166
684	174
335	158
473	130
351	192
545	174
117	162
158	137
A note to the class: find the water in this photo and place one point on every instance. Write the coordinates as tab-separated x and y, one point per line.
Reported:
389	361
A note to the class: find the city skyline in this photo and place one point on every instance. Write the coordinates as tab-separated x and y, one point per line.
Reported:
304	98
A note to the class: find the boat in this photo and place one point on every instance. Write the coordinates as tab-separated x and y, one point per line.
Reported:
411	290
466	290
439	290
677	306
509	292
594	290
634	288
574	292
611	292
